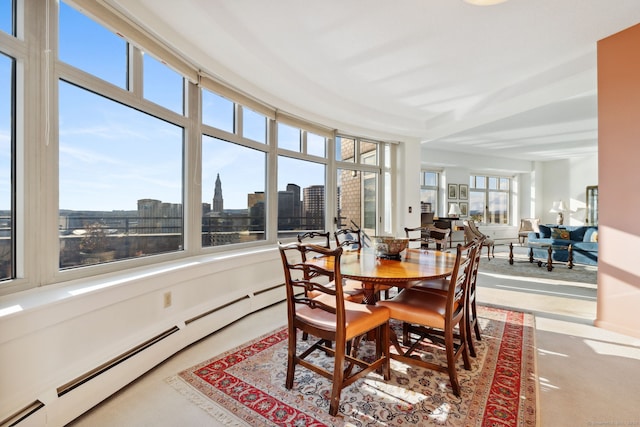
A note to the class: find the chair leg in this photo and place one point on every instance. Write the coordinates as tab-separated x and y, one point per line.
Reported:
385	350
405	334
451	362
291	364
465	349
338	379
469	333
472	327
476	327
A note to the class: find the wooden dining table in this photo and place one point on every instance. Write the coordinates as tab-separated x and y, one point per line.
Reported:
414	265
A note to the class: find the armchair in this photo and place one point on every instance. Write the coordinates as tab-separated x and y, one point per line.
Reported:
527	225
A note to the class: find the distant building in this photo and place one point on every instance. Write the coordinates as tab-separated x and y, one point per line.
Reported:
218	201
154	216
255	198
289	208
313	206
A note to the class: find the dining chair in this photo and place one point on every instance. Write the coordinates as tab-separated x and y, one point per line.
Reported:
434	316
442	286
471	232
313	235
471	315
332	319
427	235
353	289
350	237
418	234
440	237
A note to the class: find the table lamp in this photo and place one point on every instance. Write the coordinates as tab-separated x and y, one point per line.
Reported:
454	210
559	207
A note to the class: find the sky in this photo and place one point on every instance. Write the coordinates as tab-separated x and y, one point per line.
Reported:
112	155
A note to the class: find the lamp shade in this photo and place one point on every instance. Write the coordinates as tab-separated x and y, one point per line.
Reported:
562	207
454	209
558	206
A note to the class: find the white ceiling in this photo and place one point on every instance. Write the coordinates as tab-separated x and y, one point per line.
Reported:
514	80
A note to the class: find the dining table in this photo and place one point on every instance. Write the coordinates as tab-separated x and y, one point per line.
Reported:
412	266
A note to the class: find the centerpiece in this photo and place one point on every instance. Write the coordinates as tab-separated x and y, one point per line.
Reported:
389	247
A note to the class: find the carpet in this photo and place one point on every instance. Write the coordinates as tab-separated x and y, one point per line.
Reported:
245	386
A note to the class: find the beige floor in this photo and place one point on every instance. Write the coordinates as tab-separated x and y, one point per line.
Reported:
588	376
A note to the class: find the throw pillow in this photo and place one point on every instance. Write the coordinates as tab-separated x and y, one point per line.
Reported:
594	237
545	232
560	233
588	234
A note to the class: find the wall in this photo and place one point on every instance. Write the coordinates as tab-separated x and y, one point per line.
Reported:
565	180
619	176
62	332
537	184
456	168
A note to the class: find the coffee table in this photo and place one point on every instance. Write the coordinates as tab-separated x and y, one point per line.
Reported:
550	247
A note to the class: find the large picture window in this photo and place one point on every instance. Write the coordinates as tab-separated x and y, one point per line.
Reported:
301	196
120	181
233	192
489	199
128	137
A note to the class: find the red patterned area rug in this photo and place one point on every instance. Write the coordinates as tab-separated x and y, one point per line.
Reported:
245	386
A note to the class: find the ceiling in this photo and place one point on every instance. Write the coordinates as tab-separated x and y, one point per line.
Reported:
515	80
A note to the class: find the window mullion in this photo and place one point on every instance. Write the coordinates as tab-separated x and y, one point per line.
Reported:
135	71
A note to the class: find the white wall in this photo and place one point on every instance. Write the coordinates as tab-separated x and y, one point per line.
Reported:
61	332
407	189
566	180
538	184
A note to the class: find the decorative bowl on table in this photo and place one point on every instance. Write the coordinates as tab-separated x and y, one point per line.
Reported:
389	247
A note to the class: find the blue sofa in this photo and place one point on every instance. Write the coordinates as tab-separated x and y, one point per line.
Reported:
583	240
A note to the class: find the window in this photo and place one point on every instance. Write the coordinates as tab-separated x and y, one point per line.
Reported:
120	181
233	191
162	85
357	178
117	152
7	126
489	199
289	138
254	125
345	149
218	111
92	48
357	200
7	8
429	185
316	145
301	196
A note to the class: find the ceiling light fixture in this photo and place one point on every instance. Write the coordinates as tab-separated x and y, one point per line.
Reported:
484	2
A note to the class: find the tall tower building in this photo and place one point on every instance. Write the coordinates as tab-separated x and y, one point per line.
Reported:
218	202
